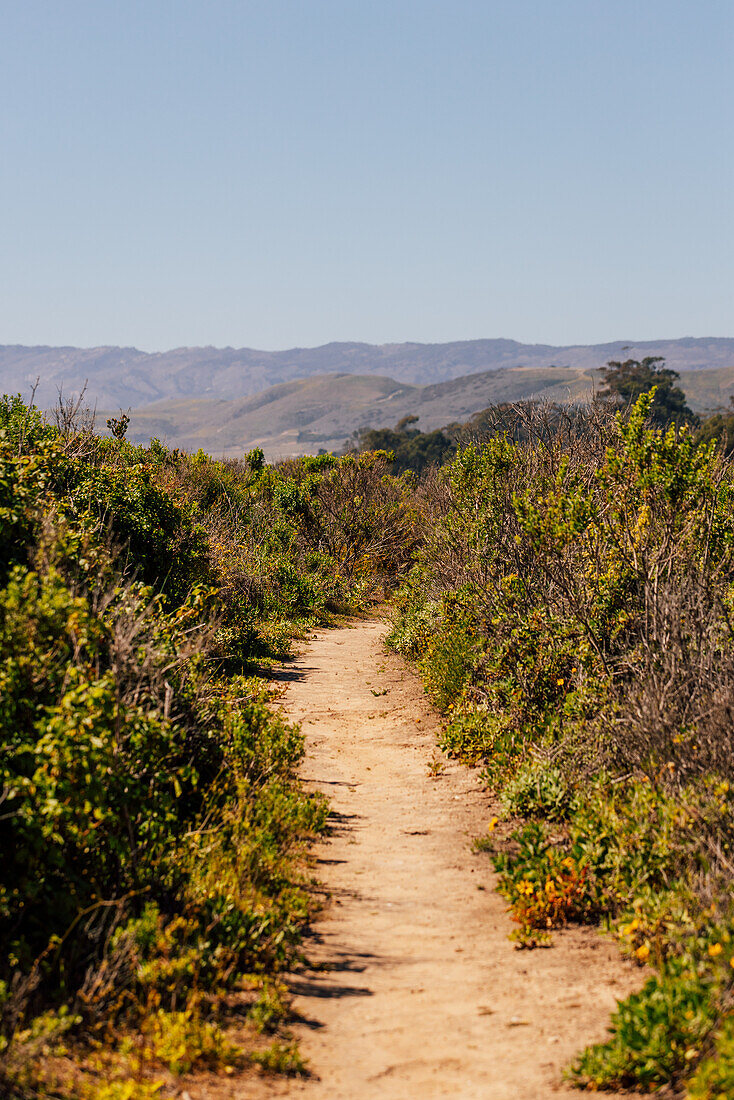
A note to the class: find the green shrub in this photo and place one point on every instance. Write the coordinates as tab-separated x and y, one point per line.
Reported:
571	602
281	1058
470	736
152	817
656	1035
714	1077
537	790
413	625
182	1041
448	661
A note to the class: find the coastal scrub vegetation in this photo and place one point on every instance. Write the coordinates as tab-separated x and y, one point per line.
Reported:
151	821
564	580
571	611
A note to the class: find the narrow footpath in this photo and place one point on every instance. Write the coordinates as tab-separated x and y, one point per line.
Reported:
413	988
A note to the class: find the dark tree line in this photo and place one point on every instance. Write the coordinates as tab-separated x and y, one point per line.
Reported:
411	448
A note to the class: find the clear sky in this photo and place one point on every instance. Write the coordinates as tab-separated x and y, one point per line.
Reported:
274	173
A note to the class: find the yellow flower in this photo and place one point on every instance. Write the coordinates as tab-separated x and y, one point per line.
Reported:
560	683
715	949
643	952
492	825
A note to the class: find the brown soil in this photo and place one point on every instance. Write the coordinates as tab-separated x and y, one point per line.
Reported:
413	988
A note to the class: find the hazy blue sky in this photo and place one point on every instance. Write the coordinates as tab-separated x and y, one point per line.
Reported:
289	172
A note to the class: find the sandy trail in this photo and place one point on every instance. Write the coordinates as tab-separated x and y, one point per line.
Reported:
414	990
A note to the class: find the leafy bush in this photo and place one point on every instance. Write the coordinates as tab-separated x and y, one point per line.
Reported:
280	1058
714	1077
545	886
570	609
152	817
656	1034
537	790
182	1041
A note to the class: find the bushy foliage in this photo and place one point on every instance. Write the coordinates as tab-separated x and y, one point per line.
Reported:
719	427
570	609
411	449
537	789
151	817
626	380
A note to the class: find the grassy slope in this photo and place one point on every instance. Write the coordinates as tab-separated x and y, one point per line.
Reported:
322	412
300	417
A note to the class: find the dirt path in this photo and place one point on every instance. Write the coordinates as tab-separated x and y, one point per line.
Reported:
415	990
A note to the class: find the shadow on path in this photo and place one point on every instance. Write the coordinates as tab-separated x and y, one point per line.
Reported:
285	675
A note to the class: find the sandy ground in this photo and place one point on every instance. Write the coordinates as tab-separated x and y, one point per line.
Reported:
413	988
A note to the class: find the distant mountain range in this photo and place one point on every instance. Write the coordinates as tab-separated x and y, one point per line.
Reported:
228	400
126	377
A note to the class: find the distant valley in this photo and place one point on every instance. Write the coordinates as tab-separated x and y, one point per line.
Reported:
228	400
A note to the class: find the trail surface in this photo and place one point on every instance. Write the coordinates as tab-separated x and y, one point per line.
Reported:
414	990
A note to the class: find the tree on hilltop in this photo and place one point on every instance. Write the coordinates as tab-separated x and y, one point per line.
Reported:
626	381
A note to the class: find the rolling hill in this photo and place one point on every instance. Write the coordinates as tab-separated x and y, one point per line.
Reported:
323	411
129	378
